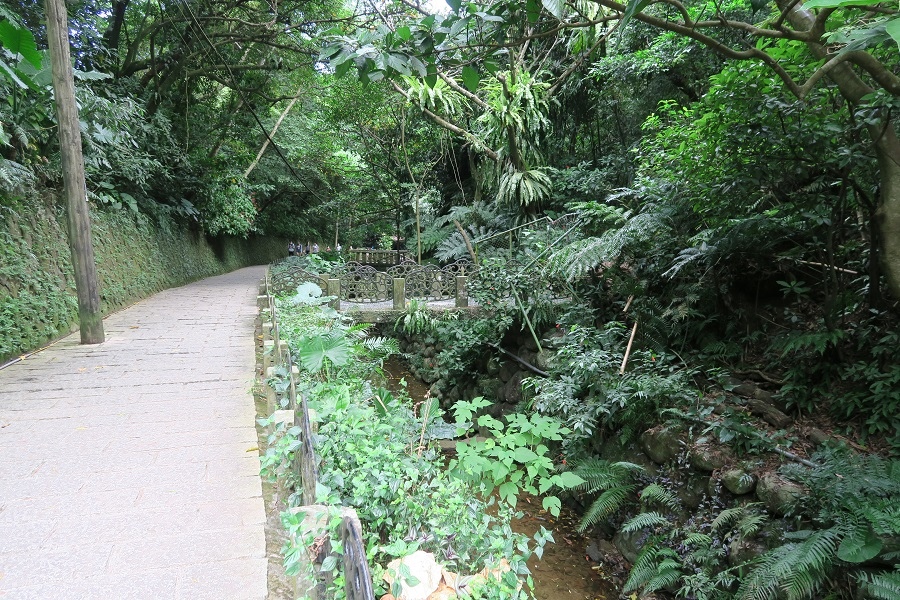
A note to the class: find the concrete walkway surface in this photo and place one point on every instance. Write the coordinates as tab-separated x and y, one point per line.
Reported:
129	469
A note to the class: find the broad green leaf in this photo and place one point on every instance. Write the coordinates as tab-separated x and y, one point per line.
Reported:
568	479
633	8
403	33
454	4
470	78
90	75
418	66
398	62
508	492
837	3
5	68
892	27
524	455
19	40
859	546
533	8
554	7
552	505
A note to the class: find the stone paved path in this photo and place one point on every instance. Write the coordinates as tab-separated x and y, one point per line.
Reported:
129	469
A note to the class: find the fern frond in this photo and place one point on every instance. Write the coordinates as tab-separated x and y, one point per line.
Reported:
601	475
658	494
795	569
668	572
609	502
750	524
655	568
730	518
647	520
644	568
697	539
881	586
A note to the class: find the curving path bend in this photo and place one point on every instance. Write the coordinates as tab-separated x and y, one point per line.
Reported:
129	469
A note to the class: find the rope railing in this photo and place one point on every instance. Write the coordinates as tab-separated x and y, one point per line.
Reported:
357	576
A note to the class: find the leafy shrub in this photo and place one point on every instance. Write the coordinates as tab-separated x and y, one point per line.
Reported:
376	457
587	393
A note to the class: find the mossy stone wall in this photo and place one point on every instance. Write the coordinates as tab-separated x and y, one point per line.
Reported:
136	257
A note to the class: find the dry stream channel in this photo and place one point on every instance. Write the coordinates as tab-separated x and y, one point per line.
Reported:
564	572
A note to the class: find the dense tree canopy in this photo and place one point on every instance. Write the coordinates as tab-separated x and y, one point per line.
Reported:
727	172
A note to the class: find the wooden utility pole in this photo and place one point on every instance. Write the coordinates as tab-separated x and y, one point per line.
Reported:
73	174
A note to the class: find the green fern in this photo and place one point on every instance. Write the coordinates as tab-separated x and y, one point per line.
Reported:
655	493
614	480
645	520
881	586
747	520
609	502
583	256
655	568
797	570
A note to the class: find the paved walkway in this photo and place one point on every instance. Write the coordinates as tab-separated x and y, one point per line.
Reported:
129	469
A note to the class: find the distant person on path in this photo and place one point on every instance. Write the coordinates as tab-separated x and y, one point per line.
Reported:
291	249
338	247
315	248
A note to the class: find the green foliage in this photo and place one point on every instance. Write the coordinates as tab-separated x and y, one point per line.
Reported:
228	208
614	480
135	258
587	393
416	320
515	458
852	504
375	456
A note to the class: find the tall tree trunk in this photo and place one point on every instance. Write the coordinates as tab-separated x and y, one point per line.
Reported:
885	144
73	175
887	148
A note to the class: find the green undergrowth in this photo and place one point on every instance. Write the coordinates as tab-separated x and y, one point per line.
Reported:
378	454
136	256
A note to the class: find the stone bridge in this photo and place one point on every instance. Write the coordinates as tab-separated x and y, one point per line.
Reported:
377	295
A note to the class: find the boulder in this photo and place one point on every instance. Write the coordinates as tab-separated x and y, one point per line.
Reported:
738	481
513	393
507	370
709	458
819	437
423	567
542	360
661	444
779	495
630	544
693	489
492	367
526	340
741	550
554	339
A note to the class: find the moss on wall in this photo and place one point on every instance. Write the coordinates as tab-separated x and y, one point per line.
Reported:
135	257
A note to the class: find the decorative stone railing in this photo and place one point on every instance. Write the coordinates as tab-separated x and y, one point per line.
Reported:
377	257
364	284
